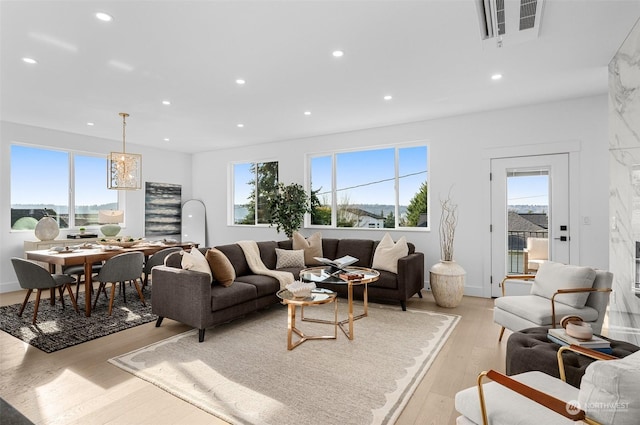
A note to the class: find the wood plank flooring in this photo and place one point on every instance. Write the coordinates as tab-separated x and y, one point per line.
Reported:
78	386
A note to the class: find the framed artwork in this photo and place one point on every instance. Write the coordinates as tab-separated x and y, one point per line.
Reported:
162	209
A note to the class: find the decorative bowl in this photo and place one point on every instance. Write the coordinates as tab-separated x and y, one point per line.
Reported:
301	289
119	242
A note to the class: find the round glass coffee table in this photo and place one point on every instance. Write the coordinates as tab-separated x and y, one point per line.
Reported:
364	276
318	296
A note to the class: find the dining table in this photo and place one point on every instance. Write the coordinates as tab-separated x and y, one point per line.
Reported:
89	254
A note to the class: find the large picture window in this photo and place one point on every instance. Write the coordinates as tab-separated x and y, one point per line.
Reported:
68	186
253	184
374	189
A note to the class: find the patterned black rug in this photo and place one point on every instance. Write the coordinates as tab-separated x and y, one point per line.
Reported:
57	328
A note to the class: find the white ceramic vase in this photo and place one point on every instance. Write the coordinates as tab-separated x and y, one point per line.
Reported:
47	229
446	279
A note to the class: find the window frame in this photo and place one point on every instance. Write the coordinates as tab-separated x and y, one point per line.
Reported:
232	192
334	196
71	201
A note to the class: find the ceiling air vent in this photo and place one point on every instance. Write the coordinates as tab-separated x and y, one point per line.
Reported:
511	21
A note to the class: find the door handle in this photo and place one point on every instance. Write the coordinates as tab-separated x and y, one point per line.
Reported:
562	238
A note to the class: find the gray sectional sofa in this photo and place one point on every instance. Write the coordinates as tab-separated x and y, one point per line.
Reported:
191	298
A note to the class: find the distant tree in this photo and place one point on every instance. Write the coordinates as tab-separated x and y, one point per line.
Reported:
320	211
345	216
266	174
417	207
390	221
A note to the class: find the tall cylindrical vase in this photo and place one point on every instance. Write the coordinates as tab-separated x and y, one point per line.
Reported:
446	279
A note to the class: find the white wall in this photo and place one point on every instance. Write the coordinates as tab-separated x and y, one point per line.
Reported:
457	147
157	166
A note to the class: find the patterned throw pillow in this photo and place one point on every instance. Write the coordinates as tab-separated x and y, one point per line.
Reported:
221	267
312	247
388	253
194	260
289	258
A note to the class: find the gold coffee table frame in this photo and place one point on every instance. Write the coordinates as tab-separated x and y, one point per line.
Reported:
321	275
318	296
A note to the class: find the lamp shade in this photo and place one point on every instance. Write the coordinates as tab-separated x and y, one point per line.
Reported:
110	216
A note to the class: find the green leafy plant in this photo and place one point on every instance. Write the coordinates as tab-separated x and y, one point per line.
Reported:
287	207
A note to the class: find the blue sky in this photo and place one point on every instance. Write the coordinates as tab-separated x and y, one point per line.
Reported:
528	190
40	176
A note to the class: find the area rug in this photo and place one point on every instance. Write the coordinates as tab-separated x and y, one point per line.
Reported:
244	374
56	328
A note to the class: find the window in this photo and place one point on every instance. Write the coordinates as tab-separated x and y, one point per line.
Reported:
253	183
69	187
374	189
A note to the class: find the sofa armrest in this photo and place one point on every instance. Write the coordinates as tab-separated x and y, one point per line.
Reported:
411	274
182	295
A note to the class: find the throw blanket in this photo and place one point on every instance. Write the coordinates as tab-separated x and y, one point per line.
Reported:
252	254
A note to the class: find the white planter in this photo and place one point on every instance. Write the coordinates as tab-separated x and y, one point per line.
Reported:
446	279
47	229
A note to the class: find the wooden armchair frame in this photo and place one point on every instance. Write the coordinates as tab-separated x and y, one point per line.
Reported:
553	297
559	406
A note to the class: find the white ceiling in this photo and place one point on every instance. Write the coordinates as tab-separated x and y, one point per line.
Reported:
427	54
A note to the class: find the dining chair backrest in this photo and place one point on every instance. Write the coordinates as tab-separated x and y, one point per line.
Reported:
122	267
157	259
31	275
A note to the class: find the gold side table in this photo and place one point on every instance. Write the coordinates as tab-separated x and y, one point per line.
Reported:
323	274
318	296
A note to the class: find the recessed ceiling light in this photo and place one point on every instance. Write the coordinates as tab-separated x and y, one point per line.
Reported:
90	124
240	81
240	125
166	139
307	113
104	17
166	102
388	97
29	61
496	77
338	53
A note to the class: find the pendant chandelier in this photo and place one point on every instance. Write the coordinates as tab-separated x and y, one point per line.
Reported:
124	170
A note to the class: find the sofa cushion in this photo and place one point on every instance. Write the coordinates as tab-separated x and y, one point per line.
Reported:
388	253
288	258
237	293
195	261
609	390
235	254
268	253
221	267
312	247
552	276
362	249
537	309
265	285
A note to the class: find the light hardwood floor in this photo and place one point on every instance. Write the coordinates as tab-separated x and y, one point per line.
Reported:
77	385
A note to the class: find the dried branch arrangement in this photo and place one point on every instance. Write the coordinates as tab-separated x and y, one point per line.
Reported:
448	223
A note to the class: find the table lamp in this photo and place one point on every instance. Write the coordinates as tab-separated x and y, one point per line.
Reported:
110	219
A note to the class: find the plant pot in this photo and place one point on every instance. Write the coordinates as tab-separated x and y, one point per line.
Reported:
446	279
47	229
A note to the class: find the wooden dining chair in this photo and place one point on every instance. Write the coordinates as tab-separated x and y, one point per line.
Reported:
33	277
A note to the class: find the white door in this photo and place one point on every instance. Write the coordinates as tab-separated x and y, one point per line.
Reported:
529	198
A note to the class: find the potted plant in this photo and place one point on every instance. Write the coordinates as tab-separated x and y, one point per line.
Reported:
447	277
287	207
82	230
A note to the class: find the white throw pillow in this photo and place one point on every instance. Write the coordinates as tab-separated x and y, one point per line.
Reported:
388	253
195	261
609	390
312	247
289	258
552	276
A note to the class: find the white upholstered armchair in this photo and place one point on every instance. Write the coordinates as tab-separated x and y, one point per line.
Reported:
608	395
558	290
536	253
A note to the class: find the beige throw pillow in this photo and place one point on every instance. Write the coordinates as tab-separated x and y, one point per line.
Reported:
288	258
312	247
552	276
388	253
221	267
195	261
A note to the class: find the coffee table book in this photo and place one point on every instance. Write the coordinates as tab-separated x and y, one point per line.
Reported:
559	336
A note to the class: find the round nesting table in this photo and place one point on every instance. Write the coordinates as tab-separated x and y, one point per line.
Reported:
318	296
